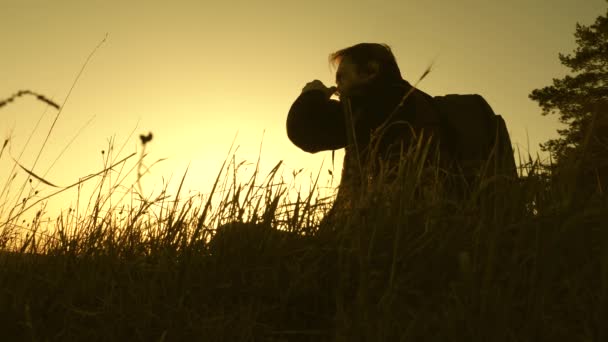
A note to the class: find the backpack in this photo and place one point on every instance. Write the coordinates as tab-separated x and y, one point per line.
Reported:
476	136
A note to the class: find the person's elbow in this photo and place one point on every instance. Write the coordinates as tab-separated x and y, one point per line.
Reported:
301	138
311	123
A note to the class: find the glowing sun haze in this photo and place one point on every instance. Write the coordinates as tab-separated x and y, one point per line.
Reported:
197	72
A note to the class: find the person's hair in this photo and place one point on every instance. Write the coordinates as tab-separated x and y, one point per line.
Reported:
365	53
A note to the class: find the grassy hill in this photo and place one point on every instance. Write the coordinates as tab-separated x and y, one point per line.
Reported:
411	260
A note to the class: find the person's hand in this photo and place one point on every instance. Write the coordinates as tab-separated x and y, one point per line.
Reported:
318	85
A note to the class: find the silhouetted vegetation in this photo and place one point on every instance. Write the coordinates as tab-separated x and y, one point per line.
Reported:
581	102
522	262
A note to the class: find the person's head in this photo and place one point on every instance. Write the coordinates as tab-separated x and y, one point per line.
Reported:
363	65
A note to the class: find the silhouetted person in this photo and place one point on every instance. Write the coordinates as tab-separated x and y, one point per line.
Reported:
370	86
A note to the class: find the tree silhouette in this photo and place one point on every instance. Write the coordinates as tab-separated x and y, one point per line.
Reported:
581	101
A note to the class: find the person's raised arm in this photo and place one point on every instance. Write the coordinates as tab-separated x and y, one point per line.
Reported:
315	122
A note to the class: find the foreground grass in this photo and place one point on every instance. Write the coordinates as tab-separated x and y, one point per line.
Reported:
510	260
416	257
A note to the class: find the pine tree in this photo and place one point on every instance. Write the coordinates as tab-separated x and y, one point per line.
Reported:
581	101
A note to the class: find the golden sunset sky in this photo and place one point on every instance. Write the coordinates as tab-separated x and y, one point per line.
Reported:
197	72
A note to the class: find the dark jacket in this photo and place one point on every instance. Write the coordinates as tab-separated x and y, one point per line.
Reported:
315	123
